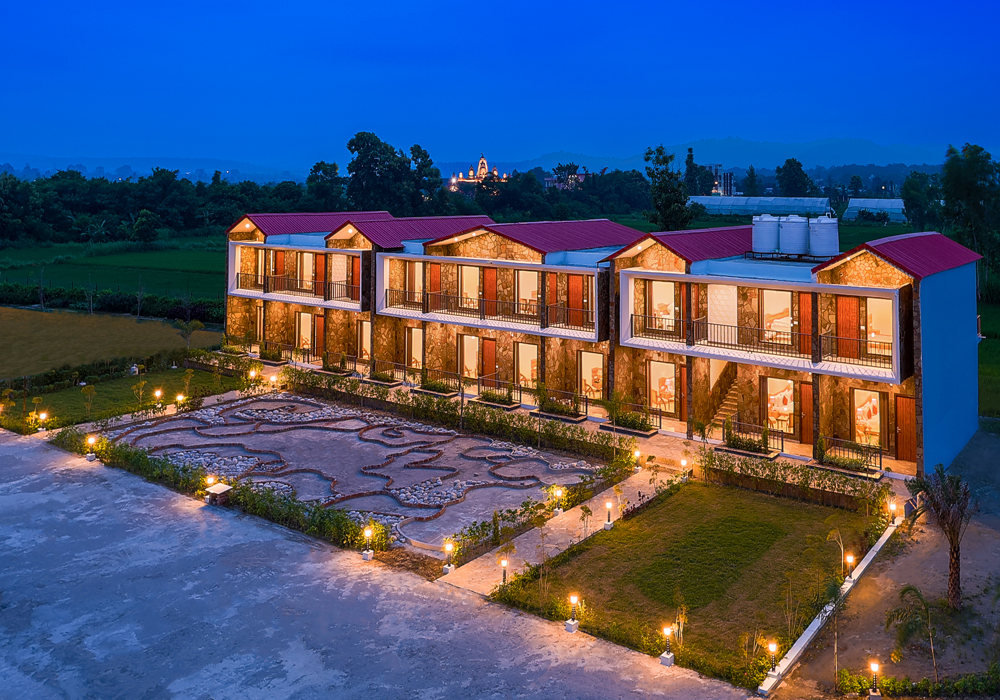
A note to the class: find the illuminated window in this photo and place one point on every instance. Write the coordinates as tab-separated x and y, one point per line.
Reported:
527	290
776	316
527	364
662	386
414	347
304	330
468	356
879	328
591	374
364	340
661	299
867	417
780	404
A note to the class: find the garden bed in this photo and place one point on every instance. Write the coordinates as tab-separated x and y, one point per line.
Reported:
557	416
435	394
769	456
500	406
611	428
392	384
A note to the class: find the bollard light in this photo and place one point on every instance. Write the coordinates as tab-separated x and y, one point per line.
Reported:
874	676
209	480
368	538
608	506
503	565
91	440
773	648
157	394
850	564
180	397
448	548
892	509
253	373
90	448
638	454
572	602
274	378
684	463
558	494
667	631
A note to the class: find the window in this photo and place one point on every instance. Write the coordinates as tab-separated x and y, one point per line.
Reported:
591	379
468	286
259	328
867	417
527	291
880	326
414	276
527	364
780	406
305	268
303	330
259	265
660	300
415	347
364	340
776	316
468	356
662	386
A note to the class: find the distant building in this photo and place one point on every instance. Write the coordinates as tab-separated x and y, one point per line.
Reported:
477	173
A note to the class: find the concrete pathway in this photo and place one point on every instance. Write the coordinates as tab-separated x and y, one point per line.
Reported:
114	587
483	573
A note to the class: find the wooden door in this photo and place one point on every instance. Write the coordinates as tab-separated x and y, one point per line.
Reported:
279	263
551	297
805	324
355	277
434	285
490	291
848	327
806	413
681	393
906	428
574	303
319	275
488	360
319	337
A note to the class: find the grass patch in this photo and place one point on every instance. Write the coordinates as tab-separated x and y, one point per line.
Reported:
209	261
126	279
33	341
989	377
990	314
115	396
733	557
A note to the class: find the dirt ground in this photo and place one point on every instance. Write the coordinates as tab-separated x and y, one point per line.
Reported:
965	642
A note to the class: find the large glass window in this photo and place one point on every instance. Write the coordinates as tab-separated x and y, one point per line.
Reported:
469	286
304	330
662	386
776	316
867	417
468	356
305	267
364	340
527	291
661	299
414	347
780	396
591	374
414	276
527	364
880	326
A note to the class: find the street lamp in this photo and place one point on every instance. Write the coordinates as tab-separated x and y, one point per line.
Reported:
850	564
667	657
573	600
503	565
558	494
608	525
367	553
874	668
773	648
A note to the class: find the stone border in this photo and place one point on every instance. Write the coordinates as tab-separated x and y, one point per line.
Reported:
773	679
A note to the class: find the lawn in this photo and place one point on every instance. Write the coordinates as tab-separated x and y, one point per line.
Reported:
168	282
68	407
32	341
730	555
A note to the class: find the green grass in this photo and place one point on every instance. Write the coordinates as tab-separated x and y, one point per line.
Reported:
208	261
155	281
728	554
853	235
989	377
33	341
68	407
990	314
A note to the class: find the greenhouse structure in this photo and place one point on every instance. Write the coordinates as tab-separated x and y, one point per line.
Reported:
893	207
777	206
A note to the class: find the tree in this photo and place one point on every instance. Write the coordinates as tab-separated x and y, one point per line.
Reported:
187	329
567	174
690	173
750	186
427	184
911	619
325	187
670	212
146	226
585	515
856	185
921	194
792	179
949	502
706	181
380	176
970	183
140	294
88	392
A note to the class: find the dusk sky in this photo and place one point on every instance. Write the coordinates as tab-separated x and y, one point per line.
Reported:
288	83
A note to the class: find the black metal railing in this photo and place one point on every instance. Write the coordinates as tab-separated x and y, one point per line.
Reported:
279	284
404	299
342	291
290	353
856	351
763	340
657	327
566	402
744	430
564	317
250	281
383	370
851	455
436	379
503	391
340	362
637	417
494	309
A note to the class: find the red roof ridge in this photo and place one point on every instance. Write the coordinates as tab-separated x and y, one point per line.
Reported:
933	252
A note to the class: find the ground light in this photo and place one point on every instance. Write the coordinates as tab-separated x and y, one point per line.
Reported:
572	624
503	565
368	554
42	418
637	454
180	397
773	648
158	394
209	480
874	668
850	564
449	547
91	441
558	509
892	511
608	525
667	657
253	373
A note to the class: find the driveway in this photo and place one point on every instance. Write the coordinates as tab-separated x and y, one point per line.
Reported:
111	587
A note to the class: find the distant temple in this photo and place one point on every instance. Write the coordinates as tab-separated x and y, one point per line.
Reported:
476	174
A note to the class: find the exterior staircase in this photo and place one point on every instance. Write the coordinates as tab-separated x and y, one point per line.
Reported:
730	405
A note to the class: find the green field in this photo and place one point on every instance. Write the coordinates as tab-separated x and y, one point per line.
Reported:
33	341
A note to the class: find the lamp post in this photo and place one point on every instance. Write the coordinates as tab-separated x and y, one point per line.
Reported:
572	624
773	648
637	455
180	398
850	565
449	547
667	657
608	524
42	417
892	512
91	441
503	566
368	554
874	690
558	509
274	382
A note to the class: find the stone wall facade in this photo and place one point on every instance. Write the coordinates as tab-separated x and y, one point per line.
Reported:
341	331
355	242
247	258
865	270
631	369
836	419
241	317
488	246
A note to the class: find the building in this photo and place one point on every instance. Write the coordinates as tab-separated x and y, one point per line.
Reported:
777	206
893	207
476	174
877	346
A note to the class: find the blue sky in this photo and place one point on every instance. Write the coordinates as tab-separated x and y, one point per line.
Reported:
288	83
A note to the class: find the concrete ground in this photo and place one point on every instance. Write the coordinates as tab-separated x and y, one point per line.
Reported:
111	587
963	646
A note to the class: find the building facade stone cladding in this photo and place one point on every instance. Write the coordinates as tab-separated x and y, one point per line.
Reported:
865	270
488	246
355	242
241	317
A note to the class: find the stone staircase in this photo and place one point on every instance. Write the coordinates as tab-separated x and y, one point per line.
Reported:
730	405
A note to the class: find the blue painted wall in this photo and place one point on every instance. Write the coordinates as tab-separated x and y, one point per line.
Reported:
950	359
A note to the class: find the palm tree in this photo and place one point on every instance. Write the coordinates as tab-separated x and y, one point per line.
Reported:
187	329
837	602
911	619
949	500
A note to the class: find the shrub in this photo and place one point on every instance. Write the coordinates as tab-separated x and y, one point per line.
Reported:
270	355
985	684
435	385
505	398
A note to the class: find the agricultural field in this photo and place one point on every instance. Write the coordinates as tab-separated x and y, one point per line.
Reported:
33	341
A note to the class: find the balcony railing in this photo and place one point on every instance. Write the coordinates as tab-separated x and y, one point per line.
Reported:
250	281
438	302
856	351
279	284
341	361
290	353
737	432
342	291
771	342
404	299
851	455
657	327
576	319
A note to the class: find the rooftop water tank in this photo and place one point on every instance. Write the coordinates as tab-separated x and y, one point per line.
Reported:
765	234
794	235
824	237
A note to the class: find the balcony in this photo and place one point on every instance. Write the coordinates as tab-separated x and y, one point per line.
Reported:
658	328
856	351
529	313
289	286
279	284
575	319
342	291
250	282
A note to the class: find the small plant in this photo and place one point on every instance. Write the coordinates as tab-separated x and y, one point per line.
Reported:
186	329
188	376
88	393
911	619
382	377
502	398
585	515
269	355
435	385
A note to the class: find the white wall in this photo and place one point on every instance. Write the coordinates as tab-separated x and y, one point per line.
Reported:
950	360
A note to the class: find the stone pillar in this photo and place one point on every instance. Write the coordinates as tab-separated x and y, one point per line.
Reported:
541	359
918	379
689	392
817	350
816	409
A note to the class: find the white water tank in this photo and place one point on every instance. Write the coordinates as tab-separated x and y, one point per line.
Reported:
765	234
824	237
794	235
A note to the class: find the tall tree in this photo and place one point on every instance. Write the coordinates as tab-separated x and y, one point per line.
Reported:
948	501
380	176
325	187
690	173
970	183
146	226
706	181
751	187
426	184
921	195
792	179
857	184
670	211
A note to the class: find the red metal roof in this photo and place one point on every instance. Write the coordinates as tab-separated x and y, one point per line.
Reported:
555	236
319	222
390	233
917	254
699	244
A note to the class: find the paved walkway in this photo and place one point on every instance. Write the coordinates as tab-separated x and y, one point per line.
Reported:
482	574
115	587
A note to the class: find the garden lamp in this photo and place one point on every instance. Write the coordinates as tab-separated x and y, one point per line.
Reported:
773	648
608	506
157	394
368	538
572	603
892	509
274	379
180	397
684	463
874	676
253	373
667	631
41	418
209	480
850	564
448	547
558	495
91	440
503	565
